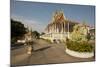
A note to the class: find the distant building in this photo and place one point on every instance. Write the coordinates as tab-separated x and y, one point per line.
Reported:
92	33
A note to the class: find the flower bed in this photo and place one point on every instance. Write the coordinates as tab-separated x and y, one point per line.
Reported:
80	49
80	46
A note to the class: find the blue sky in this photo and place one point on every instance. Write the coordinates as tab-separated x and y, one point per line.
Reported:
38	15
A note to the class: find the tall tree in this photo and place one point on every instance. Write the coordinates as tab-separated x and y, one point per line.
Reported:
17	28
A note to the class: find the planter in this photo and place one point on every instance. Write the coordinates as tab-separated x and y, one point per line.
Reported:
79	54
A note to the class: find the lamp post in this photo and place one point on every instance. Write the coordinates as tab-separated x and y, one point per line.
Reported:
68	30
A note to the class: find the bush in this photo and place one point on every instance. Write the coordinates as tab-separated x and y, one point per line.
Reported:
80	46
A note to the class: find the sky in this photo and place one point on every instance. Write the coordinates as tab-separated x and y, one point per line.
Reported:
38	15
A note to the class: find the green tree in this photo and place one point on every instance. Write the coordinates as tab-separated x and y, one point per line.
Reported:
17	30
36	34
42	33
79	33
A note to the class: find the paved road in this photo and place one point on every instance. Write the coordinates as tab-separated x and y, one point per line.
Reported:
51	53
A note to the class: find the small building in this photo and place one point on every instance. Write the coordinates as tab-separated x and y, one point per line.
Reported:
92	33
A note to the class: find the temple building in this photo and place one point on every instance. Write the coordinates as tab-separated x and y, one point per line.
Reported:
59	28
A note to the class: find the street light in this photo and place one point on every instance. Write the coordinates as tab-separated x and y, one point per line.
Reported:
68	30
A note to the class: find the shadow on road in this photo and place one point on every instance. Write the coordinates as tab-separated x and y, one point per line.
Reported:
41	49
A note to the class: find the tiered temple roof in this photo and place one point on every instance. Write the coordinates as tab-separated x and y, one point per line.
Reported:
59	24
